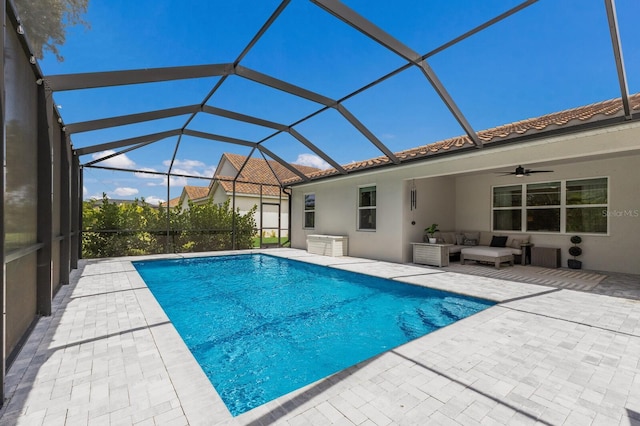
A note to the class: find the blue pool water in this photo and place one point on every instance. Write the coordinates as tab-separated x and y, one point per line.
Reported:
262	326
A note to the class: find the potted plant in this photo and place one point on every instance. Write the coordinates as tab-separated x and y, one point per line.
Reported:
430	231
575	251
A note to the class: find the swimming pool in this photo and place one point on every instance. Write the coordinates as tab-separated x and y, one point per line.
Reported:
262	326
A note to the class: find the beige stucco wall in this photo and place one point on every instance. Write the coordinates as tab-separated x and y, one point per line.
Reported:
436	203
226	169
270	214
455	192
336	214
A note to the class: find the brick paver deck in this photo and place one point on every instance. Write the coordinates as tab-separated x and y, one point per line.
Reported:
548	356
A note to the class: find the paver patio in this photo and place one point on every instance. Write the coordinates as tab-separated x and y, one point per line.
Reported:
544	355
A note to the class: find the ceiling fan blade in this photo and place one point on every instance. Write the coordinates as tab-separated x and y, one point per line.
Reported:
521	171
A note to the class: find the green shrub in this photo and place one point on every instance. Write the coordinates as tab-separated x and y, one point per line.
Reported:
137	228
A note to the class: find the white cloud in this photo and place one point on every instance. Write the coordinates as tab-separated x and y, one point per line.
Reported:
312	161
85	191
147	175
175	181
191	167
187	164
125	192
186	172
120	161
153	200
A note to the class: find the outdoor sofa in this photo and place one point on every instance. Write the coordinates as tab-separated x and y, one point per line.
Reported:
483	246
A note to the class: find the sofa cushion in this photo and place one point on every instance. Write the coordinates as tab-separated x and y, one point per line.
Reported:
448	237
459	239
487	251
471	235
455	249
485	238
470	242
516	241
497	241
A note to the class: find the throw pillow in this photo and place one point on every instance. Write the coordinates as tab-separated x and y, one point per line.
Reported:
485	238
459	239
472	235
516	241
470	242
498	241
448	237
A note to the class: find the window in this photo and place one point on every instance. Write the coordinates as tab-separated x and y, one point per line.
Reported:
586	201
563	206
543	207
309	210
507	208
367	208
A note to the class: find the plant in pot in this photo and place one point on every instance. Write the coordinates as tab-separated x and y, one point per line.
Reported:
430	233
575	251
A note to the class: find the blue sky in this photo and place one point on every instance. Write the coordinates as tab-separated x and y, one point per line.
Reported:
551	56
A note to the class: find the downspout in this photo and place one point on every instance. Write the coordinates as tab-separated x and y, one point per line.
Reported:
289	212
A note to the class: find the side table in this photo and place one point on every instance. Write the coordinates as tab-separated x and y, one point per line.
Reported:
548	257
431	254
525	257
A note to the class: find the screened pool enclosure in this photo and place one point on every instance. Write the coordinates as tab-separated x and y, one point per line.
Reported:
148	100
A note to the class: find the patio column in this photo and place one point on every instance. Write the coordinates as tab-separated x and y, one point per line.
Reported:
76	210
45	203
3	284
65	208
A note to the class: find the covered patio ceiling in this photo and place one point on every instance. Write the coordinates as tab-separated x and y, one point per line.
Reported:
356	85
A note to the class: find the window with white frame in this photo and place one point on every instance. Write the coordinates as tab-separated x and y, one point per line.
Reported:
309	210
587	203
572	206
507	208
367	208
543	207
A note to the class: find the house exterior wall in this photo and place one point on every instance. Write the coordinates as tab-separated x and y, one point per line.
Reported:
615	251
435	203
336	214
455	192
270	214
185	203
226	169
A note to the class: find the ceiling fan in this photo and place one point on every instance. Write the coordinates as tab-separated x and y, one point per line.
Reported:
521	171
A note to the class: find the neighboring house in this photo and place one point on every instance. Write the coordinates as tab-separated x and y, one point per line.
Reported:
593	151
174	202
257	183
195	194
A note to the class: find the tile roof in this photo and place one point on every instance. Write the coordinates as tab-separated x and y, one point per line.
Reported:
196	192
593	112
260	171
172	202
248	188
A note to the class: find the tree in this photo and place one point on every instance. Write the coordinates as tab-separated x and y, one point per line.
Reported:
45	22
